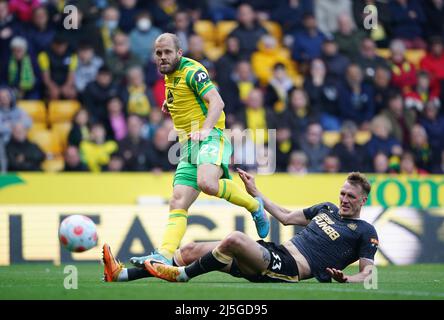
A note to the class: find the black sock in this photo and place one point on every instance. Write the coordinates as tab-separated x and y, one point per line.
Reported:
137	273
205	264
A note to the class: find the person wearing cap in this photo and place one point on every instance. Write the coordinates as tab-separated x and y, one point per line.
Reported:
21	70
58	66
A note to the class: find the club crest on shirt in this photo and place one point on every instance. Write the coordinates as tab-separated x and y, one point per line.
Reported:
170	97
352	226
374	242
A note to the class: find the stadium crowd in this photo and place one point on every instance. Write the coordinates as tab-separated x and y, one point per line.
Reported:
341	97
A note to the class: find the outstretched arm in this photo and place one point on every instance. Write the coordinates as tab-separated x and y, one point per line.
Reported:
365	269
283	215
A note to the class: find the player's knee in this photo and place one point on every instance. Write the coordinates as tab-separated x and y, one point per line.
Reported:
187	252
177	201
234	240
208	186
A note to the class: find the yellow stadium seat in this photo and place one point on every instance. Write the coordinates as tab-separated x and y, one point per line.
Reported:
362	137
38	126
223	29
62	129
47	140
62	110
212	52
53	165
36	109
330	138
414	56
274	29
206	29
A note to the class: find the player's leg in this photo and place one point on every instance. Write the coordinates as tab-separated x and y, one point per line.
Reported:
213	178
192	251
252	259
183	197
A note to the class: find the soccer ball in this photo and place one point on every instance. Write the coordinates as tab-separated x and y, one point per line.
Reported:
78	233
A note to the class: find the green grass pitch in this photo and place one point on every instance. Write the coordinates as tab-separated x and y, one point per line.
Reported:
40	281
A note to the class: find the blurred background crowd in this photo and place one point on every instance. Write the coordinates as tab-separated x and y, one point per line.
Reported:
340	96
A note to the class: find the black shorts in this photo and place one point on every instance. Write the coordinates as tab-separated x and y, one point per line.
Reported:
282	267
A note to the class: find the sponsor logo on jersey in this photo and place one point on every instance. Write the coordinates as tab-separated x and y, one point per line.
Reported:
352	226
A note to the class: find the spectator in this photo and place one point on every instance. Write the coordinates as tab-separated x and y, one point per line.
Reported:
134	149
22	154
87	67
381	163
98	92
328	11
136	95
439	167
298	163
196	50
276	92
369	60
314	148
163	12
40	32
183	28
382	89
249	31
268	55
23	9
307	42
285	145
72	162
420	148
434	12
352	156
222	10
323	94
381	139
422	93
110	23
120	58
298	114
9	27
10	114
408	166
331	164
80	128
289	13
154	122
433	63
244	151
433	123
58	66
348	37
128	15
244	80
356	98
159	151
116	127
401	118
336	62
143	36
23	74
115	163
407	17
256	117
97	151
403	72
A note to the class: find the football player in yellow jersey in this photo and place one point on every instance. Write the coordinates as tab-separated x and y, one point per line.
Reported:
197	112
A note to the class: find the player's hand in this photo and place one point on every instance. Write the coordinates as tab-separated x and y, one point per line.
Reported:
336	274
248	180
165	107
199	135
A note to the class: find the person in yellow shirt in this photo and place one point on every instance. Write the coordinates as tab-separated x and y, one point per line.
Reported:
196	109
96	152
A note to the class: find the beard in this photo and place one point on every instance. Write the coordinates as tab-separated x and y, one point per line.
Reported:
171	68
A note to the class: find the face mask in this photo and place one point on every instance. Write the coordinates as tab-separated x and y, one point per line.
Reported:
112	24
144	24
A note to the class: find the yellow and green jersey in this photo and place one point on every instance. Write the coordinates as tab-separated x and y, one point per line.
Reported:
184	91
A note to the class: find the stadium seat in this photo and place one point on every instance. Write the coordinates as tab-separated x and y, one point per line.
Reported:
62	110
36	109
223	29
213	52
274	29
330	138
47	140
53	165
62	129
412	55
206	29
362	137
